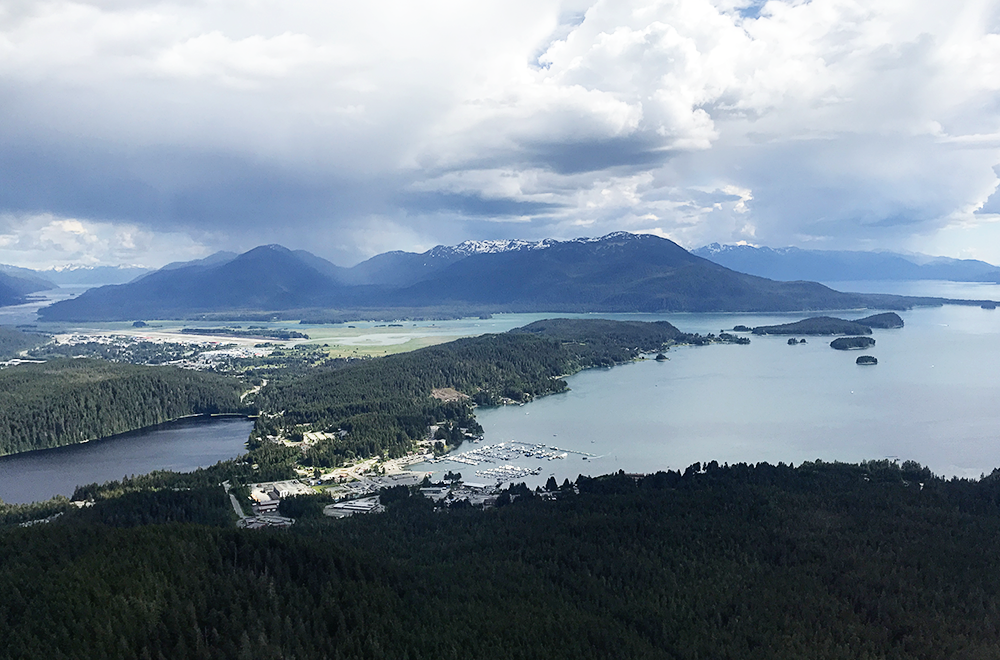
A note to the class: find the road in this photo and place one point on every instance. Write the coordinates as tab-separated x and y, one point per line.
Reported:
232	498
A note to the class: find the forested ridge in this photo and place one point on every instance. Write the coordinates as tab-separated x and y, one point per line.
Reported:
67	401
384	405
820	561
13	341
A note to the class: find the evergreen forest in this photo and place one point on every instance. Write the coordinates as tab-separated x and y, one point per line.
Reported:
13	341
878	560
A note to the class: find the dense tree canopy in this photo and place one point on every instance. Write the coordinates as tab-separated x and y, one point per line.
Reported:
821	561
13	341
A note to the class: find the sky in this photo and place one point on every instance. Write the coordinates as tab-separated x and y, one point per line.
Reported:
143	132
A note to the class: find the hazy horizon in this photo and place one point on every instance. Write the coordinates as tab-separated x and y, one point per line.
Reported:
64	267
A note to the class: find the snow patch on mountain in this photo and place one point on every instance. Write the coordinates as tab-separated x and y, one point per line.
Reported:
469	248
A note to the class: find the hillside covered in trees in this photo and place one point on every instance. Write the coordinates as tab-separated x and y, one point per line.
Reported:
67	401
13	341
820	561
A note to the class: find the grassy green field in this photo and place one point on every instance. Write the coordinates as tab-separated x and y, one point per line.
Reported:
370	348
339	340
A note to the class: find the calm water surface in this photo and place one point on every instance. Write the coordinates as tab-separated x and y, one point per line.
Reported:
932	398
182	446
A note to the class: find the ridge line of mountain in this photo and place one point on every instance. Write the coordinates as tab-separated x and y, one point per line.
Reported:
620	272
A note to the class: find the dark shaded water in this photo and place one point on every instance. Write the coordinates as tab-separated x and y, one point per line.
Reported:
181	446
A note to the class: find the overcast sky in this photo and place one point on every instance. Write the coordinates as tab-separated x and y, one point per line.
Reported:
146	132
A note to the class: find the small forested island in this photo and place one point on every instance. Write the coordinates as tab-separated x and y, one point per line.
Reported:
886	321
817	325
852	343
829	325
866	360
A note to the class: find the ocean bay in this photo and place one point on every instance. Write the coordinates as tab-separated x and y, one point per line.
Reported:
930	399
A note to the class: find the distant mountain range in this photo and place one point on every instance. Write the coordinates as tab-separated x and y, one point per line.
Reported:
399	269
620	272
787	264
18	283
93	275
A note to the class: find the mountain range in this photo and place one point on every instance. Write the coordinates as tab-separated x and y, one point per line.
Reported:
18	283
620	272
92	275
792	263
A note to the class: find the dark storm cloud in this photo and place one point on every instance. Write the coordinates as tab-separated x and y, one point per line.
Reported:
172	188
474	206
637	152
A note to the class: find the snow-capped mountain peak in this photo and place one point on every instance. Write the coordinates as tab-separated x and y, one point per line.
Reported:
469	248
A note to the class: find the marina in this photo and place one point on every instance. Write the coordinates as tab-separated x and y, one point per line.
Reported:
506	453
504	473
509	451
